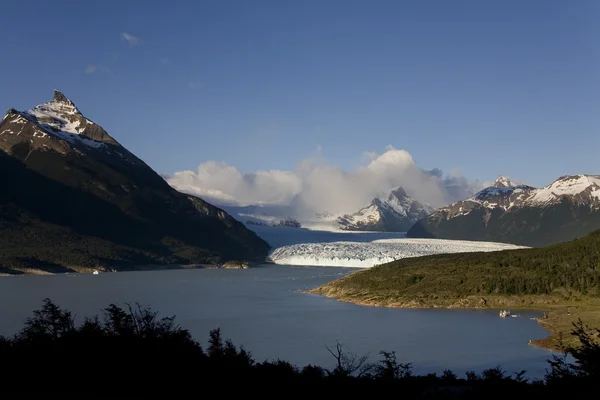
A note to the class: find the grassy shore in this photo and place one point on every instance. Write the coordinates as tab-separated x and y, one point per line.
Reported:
560	314
563	280
148	267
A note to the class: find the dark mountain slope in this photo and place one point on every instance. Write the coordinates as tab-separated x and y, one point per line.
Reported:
76	201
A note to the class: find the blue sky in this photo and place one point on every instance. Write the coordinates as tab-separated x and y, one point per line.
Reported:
487	88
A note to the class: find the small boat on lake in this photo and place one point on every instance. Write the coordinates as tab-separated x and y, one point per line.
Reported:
504	313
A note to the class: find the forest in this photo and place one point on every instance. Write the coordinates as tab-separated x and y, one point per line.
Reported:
564	271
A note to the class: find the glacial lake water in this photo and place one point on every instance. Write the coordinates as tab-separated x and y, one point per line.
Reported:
262	309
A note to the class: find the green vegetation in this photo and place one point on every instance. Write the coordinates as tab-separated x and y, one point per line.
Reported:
76	216
132	350
551	278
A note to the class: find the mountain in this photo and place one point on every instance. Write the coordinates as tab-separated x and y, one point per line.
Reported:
563	210
73	197
396	213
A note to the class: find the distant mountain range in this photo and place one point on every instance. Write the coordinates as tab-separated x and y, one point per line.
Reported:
504	212
392	212
73	197
563	210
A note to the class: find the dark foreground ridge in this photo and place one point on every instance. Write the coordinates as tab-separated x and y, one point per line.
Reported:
133	351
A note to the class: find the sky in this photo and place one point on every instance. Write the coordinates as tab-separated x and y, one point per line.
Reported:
472	88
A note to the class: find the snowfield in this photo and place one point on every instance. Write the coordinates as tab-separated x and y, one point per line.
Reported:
367	254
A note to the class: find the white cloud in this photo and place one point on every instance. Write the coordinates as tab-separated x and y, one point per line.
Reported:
368	155
224	182
90	69
129	38
317	186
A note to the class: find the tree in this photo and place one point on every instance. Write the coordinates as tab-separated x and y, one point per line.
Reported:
586	355
50	322
348	363
390	369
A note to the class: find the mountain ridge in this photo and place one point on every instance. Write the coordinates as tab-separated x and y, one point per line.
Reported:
133	217
567	208
395	213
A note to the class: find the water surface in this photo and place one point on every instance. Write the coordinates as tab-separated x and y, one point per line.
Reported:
262	309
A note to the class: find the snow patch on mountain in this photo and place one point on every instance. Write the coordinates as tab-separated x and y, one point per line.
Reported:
567	186
368	254
60	114
501	197
503	182
58	118
59	126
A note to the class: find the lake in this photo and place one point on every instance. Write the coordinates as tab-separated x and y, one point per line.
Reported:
262	309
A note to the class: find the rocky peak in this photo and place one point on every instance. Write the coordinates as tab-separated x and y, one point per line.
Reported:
54	125
395	212
503	182
399	193
60	106
61	98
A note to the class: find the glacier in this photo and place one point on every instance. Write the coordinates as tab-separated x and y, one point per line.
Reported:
362	254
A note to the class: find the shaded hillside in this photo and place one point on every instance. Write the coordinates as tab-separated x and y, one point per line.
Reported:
78	201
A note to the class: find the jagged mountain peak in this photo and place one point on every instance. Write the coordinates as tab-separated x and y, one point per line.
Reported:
395	212
59	97
503	181
398	193
57	124
59	108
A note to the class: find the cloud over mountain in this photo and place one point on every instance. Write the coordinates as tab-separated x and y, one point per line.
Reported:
316	185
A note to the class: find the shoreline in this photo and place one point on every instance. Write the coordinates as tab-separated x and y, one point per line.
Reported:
21	271
558	319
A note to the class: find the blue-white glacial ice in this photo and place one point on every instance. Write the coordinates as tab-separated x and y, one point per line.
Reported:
368	254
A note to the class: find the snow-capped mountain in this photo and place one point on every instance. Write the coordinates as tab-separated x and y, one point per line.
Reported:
503	194
58	125
395	213
503	182
565	209
579	189
73	196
